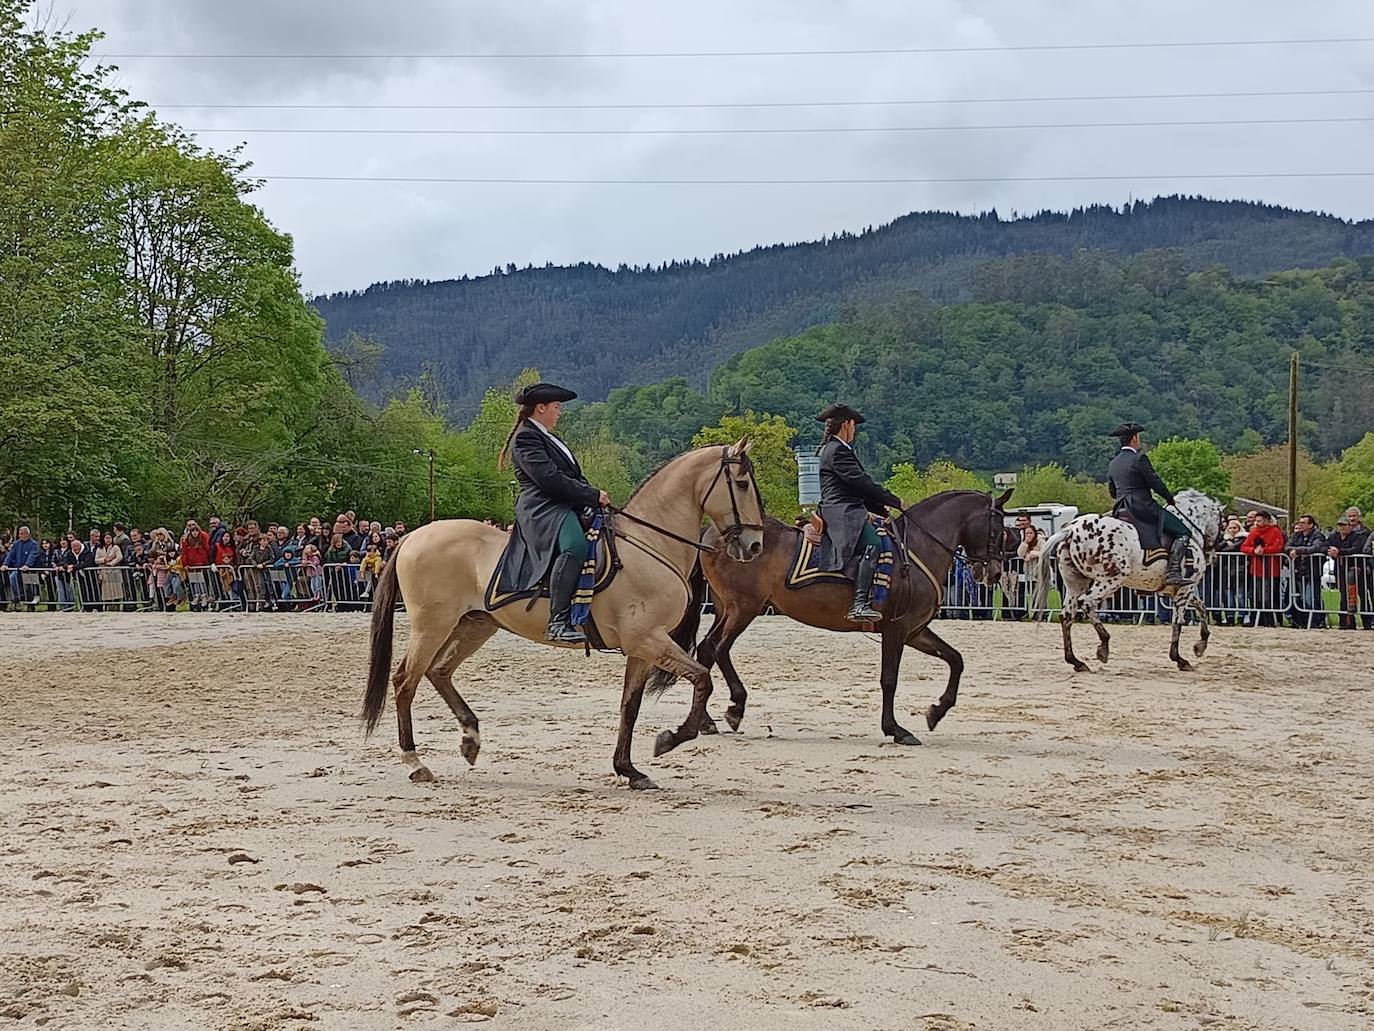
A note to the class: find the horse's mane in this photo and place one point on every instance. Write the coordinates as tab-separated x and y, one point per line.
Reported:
667	462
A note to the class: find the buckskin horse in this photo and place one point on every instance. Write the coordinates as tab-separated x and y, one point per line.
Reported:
442	571
1097	555
930	532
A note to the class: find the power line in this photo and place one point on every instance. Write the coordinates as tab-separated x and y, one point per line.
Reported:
856	52
929	180
784	130
735	105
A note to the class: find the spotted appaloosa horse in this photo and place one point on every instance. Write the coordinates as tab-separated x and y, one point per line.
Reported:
1098	554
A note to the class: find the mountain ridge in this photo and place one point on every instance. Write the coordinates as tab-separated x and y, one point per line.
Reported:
596	328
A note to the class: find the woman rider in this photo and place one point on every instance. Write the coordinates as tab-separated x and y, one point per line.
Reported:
848	495
549	536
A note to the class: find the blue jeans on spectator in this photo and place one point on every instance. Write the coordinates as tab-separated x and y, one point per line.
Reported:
16	594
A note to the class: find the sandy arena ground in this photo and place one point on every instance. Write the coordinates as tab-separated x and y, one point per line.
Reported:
196	835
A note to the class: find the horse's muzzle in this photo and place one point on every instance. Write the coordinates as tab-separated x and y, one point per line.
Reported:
746	546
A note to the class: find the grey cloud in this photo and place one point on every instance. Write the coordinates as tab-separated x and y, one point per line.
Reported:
351	234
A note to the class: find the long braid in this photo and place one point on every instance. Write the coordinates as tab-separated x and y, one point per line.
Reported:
526	410
832	427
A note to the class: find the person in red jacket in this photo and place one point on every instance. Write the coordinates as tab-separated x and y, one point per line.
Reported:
1264	544
195	551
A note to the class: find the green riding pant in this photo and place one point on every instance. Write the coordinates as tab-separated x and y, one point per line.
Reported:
1174	526
868	537
572	539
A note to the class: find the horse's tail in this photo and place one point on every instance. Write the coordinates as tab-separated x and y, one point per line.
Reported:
685	634
1044	570
384	598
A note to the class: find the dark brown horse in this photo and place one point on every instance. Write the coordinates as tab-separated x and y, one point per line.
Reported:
932	530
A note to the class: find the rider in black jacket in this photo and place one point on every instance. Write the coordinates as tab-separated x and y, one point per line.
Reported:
1133	482
848	496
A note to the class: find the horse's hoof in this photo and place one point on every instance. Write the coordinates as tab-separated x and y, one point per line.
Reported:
708	727
469	749
421	775
642	784
734	720
906	738
932	717
665	742
1185	666
1081	667
1200	648
1102	653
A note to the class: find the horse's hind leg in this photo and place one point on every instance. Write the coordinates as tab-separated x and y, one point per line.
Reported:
893	643
427	638
1104	639
707	653
1200	646
1075	584
636	675
473	631
925	640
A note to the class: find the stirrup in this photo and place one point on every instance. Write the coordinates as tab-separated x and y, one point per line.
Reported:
563	632
863	613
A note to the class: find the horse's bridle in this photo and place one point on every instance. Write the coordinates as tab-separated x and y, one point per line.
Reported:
996	532
731	533
737	527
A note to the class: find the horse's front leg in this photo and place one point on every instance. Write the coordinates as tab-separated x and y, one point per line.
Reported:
893	642
925	640
1177	623
667	655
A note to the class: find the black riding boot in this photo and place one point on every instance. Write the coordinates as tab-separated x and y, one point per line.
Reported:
567	570
861	611
1174	575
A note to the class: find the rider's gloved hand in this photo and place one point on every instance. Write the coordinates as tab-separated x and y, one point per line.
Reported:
604	499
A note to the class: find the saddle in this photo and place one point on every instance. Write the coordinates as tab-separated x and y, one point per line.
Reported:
500	590
1154	542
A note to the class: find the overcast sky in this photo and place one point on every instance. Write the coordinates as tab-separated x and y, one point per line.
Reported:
351	234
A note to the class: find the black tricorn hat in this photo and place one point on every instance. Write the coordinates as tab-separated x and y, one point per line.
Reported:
1126	430
542	394
839	411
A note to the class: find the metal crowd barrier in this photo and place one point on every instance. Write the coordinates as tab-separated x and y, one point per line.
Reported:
212	587
1355	590
109	587
1229	590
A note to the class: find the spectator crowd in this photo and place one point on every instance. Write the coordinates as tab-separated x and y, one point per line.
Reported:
1259	576
246	566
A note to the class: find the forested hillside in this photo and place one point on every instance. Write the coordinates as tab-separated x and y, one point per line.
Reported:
1066	350
596	329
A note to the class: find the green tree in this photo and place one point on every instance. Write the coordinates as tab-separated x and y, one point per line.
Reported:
1051	484
1356	471
913	485
1196	464
65	376
775	465
1263	476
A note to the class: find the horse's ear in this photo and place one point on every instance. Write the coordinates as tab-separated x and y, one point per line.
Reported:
1006	496
740	447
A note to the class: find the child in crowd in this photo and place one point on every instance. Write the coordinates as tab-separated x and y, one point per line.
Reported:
289	566
314	572
369	569
174	586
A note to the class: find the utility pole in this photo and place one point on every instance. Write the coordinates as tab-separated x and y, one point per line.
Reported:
1293	442
428	453
432	481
